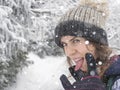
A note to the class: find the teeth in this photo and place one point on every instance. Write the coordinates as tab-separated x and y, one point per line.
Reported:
76	60
73	62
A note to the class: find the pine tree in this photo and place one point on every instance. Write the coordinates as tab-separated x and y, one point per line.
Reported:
13	44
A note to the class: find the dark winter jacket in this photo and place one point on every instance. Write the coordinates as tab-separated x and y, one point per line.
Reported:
112	74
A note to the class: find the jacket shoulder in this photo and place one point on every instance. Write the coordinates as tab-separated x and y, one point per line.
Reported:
114	68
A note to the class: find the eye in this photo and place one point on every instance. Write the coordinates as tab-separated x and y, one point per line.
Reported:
64	44
76	41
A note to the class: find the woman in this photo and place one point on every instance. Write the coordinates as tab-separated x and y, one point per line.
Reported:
81	34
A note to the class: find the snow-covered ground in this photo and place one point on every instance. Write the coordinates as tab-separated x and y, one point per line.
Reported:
42	75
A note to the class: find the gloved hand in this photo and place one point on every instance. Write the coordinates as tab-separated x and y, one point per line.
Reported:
89	81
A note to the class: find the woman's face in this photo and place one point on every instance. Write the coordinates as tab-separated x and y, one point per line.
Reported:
75	48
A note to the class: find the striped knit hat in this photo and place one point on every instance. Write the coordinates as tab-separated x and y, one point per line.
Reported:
86	20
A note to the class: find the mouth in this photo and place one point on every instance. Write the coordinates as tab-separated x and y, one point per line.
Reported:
79	63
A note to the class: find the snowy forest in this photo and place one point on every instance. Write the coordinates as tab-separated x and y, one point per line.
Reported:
27	26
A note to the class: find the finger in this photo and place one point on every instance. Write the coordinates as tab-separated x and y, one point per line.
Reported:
77	75
91	64
65	82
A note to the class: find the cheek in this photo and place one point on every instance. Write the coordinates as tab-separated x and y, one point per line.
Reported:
83	49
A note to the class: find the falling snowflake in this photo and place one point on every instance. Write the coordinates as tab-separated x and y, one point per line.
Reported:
94	33
87	42
56	36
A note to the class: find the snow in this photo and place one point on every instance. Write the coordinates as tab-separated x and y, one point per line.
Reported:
44	74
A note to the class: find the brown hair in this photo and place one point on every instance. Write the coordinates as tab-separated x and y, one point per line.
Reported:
103	53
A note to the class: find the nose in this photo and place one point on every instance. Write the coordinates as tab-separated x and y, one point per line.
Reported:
70	51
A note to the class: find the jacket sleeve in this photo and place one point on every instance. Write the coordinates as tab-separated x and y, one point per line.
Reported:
116	85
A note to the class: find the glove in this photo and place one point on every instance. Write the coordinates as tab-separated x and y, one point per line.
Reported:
84	81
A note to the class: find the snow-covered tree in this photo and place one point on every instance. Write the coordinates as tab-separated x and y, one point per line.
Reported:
13	44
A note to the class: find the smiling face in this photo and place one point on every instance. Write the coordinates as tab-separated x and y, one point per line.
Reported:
75	48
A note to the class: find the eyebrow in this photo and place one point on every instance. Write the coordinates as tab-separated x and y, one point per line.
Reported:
70	40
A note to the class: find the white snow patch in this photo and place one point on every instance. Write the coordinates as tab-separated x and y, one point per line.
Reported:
44	74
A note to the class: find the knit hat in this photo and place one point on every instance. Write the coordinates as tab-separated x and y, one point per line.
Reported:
86	20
